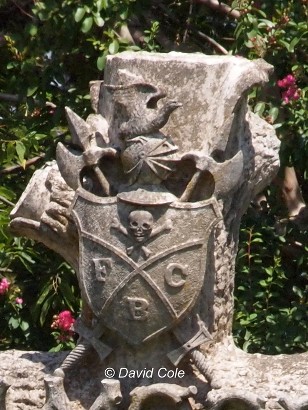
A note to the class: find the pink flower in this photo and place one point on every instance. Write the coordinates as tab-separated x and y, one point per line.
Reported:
19	301
287	81
4	286
281	83
63	321
292	93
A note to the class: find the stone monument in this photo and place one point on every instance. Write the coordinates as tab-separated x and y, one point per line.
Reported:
145	204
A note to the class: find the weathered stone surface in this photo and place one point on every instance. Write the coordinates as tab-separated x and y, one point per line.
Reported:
266	382
42	213
24	372
150	177
201	83
273	382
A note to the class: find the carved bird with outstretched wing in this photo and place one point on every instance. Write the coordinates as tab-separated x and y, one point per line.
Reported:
136	111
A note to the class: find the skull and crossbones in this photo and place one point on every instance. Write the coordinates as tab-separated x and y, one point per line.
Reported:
141	229
140	225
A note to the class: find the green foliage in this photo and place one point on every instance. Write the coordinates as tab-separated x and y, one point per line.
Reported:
271	292
150	37
48	61
46	285
272	289
66	344
278	32
271	295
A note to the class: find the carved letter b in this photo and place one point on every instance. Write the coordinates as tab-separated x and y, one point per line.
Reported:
138	308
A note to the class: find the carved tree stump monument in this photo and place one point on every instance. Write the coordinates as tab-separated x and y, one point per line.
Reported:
146	205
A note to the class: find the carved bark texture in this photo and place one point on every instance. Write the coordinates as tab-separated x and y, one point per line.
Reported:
214	124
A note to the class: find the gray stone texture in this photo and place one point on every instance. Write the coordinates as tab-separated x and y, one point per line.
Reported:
235	155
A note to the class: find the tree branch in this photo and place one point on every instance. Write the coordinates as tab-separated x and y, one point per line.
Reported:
16	168
291	192
188	21
6	201
213	42
125	34
22	10
220	7
200	34
10	97
14	98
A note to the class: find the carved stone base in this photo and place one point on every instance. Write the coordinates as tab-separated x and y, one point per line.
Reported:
254	381
238	381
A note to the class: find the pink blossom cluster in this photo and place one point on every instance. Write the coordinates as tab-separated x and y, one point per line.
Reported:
291	92
4	286
19	301
63	321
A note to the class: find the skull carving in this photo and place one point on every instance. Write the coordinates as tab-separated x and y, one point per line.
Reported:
140	225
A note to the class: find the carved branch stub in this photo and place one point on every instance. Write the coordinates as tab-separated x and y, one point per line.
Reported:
147	205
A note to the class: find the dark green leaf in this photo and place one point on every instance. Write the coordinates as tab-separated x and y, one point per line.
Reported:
99	21
114	47
24	325
79	15
14	322
20	150
101	62
87	24
293	43
32	90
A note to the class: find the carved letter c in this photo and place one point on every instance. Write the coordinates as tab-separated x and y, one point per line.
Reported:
176	268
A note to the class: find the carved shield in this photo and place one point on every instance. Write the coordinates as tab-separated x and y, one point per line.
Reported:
142	267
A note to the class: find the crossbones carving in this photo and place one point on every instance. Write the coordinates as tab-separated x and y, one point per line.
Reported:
140	229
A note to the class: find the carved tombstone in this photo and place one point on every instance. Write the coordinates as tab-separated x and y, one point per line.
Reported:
146	206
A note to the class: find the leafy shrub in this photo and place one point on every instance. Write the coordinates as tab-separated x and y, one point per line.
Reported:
271	294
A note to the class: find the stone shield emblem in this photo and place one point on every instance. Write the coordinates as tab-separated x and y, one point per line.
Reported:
142	267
